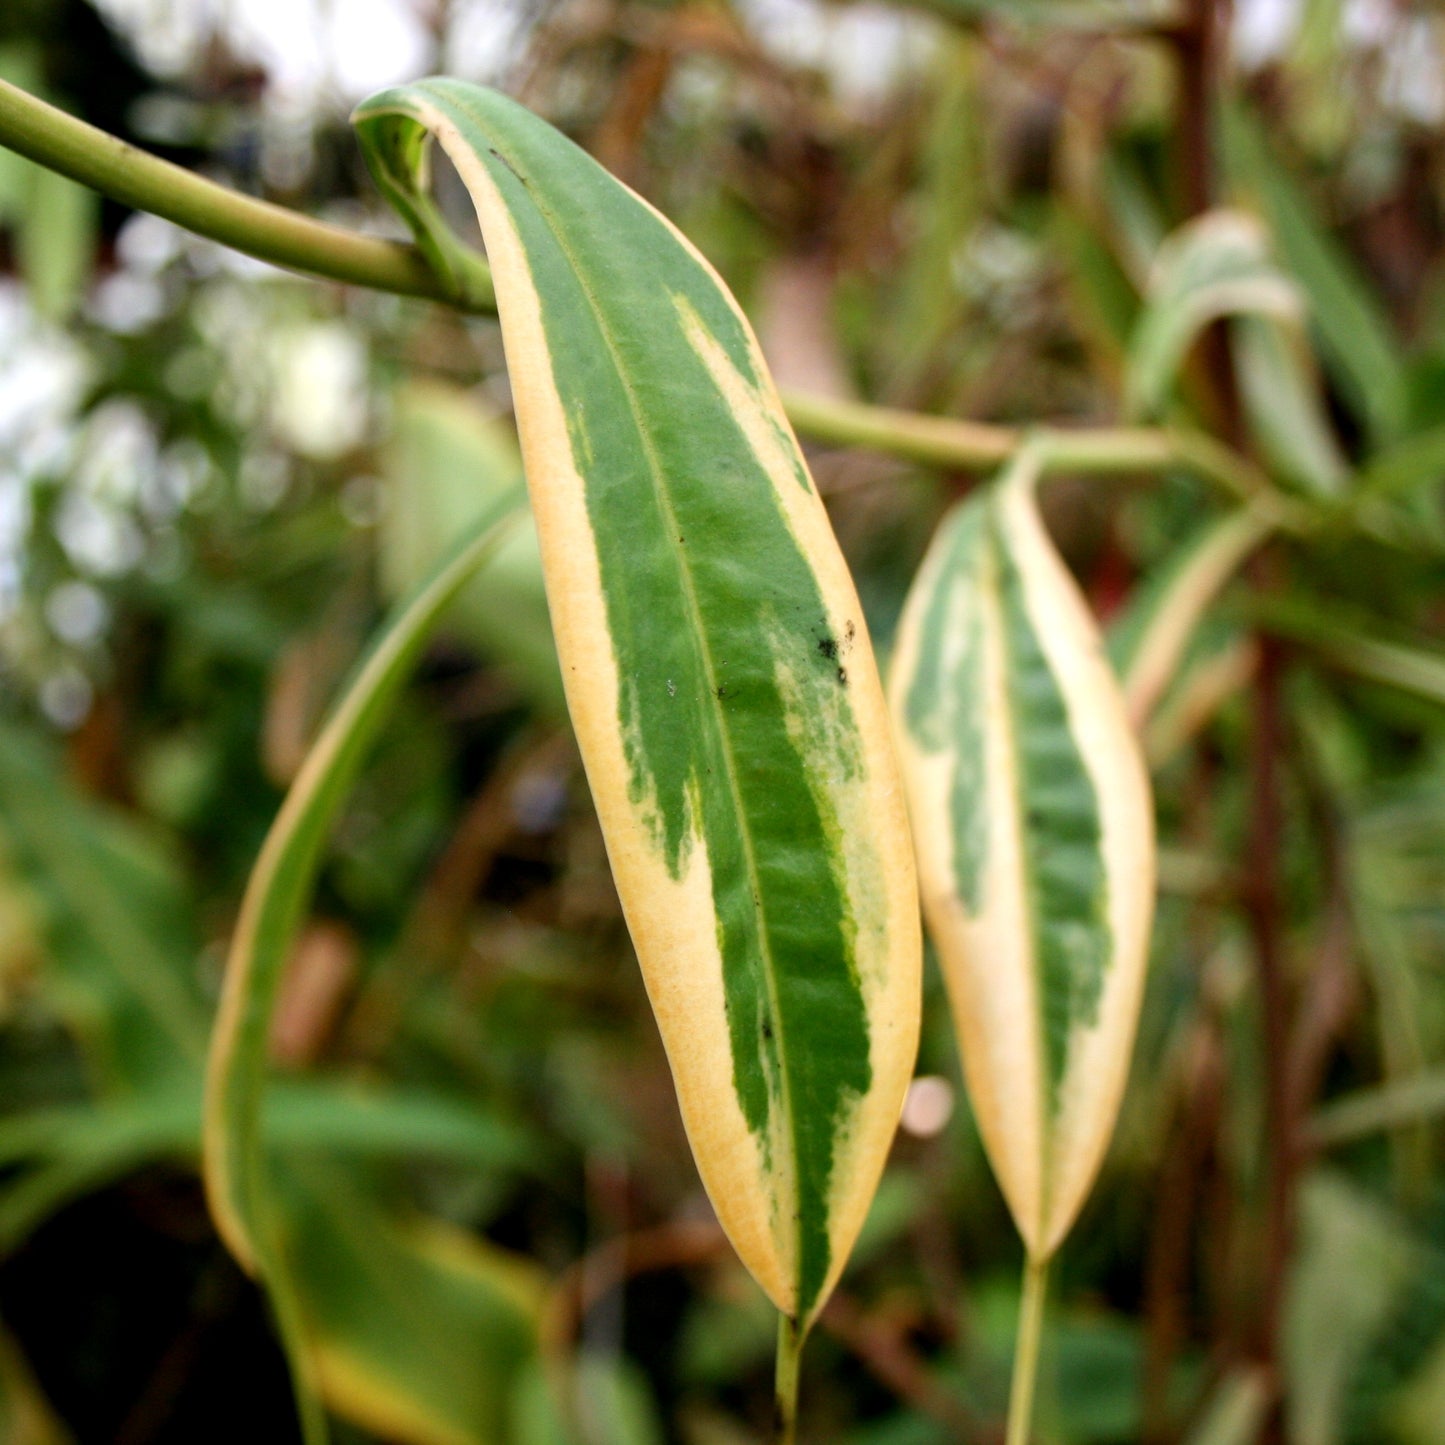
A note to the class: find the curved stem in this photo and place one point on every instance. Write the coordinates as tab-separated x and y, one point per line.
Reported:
286	238
932	440
49	136
790	1348
1026	1355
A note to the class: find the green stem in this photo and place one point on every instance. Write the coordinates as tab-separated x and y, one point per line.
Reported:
790	1349
1026	1356
107	164
978	446
271	233
932	440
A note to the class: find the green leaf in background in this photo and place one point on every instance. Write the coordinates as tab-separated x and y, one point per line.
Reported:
1149	640
1237	1410
1218	667
281	884
55	221
606	1402
1340	639
1034	827
112	914
1386	1106
1356	335
236	1176
1282	400
1214	266
445	464
947	204
420	1329
112	906
718	673
1355	1259
58	234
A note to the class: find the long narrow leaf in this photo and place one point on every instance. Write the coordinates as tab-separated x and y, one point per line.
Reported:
718	676
238	1188
281	883
1149	642
1215	265
1034	827
1355	332
1340	639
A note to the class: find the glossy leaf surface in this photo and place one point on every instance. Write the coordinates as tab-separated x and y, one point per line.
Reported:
718	675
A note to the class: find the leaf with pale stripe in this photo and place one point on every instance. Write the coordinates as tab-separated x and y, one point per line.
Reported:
718	675
1033	824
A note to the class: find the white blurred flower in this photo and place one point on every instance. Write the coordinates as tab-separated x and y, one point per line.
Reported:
319	399
77	613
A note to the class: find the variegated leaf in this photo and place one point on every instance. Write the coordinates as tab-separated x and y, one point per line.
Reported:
1033	824
718	675
1216	265
1149	641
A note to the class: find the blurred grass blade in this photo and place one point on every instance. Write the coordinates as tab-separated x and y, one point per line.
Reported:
1344	643
1034	826
26	1417
1285	409
1355	1263
1237	1410
1373	1111
55	221
947	204
445	464
281	883
1216	265
114	919
718	675
1148	643
1356	335
605	1400
1418	461
306	1116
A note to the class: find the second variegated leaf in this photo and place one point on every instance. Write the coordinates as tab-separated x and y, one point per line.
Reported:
1033	826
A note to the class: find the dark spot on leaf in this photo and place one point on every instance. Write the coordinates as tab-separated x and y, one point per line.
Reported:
843	676
767	1030
494	151
828	647
849	633
722	691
